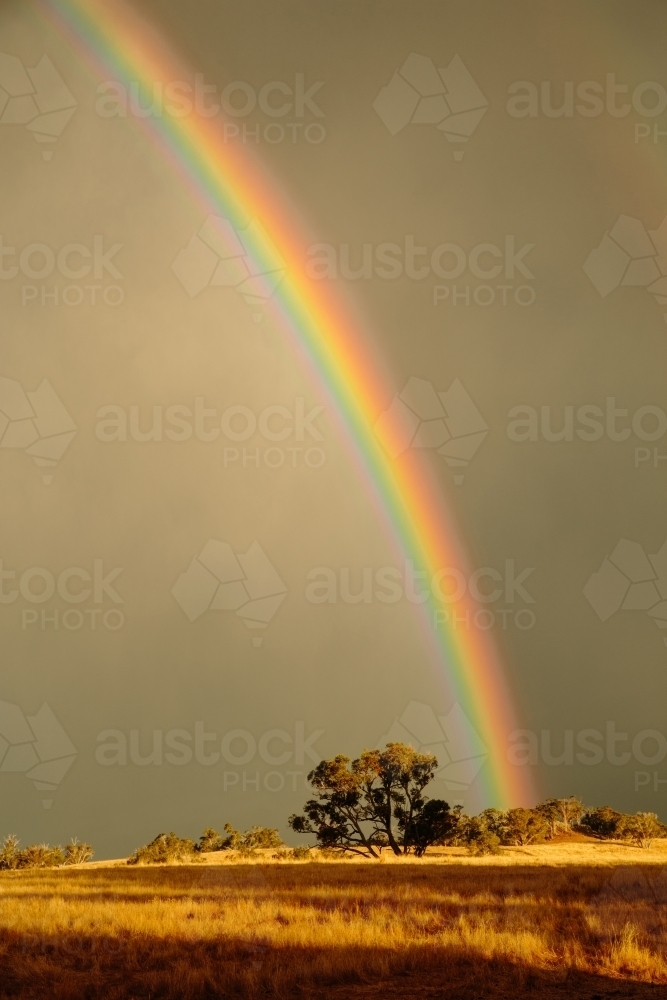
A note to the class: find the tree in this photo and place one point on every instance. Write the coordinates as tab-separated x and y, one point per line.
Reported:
642	828
436	823
524	826
561	814
495	821
340	816
375	801
601	822
571	810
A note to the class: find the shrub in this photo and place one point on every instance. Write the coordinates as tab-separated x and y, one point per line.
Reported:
232	841
167	848
210	840
246	843
41	856
77	853
327	854
305	853
262	837
300	853
641	829
13	858
9	853
485	843
476	836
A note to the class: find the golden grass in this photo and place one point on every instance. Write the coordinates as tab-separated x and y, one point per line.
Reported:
225	928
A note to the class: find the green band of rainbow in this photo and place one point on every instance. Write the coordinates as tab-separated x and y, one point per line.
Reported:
225	180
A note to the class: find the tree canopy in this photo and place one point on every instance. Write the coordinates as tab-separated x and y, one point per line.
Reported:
376	800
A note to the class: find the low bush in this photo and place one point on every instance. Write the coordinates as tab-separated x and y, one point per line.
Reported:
13	858
300	853
166	849
257	837
486	843
210	840
475	834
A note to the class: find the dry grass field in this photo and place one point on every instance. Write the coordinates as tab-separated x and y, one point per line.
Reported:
559	920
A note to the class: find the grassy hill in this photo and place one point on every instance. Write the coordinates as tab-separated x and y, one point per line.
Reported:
571	918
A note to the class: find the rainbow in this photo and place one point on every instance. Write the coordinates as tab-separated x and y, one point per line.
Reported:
226	181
